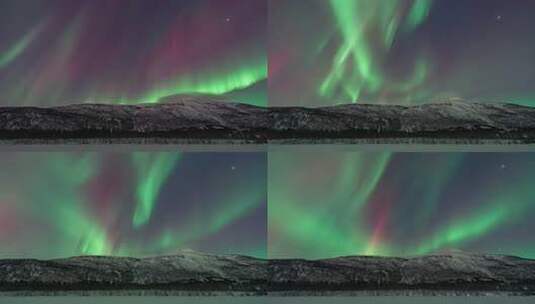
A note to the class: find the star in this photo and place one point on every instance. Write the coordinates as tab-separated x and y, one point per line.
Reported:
499	17
233	168
503	166
227	19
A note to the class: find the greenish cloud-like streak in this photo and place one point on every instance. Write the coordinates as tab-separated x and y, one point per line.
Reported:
357	63
153	169
216	83
19	47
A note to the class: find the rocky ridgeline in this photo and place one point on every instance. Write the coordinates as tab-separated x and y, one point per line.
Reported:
203	118
193	271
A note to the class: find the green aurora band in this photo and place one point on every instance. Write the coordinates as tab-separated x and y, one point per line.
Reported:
319	204
357	63
215	83
327	52
409	204
493	216
356	178
9	55
64	204
152	171
67	58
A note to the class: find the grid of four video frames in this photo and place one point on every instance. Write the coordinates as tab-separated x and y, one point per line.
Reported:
253	150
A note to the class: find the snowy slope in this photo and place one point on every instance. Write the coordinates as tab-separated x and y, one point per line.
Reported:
199	117
190	270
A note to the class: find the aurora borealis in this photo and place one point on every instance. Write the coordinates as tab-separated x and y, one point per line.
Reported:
324	204
319	52
56	204
324	52
285	204
327	52
266	204
56	52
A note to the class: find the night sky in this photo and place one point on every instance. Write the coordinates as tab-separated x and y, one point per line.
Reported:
285	204
324	204
55	204
129	51
320	52
324	52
